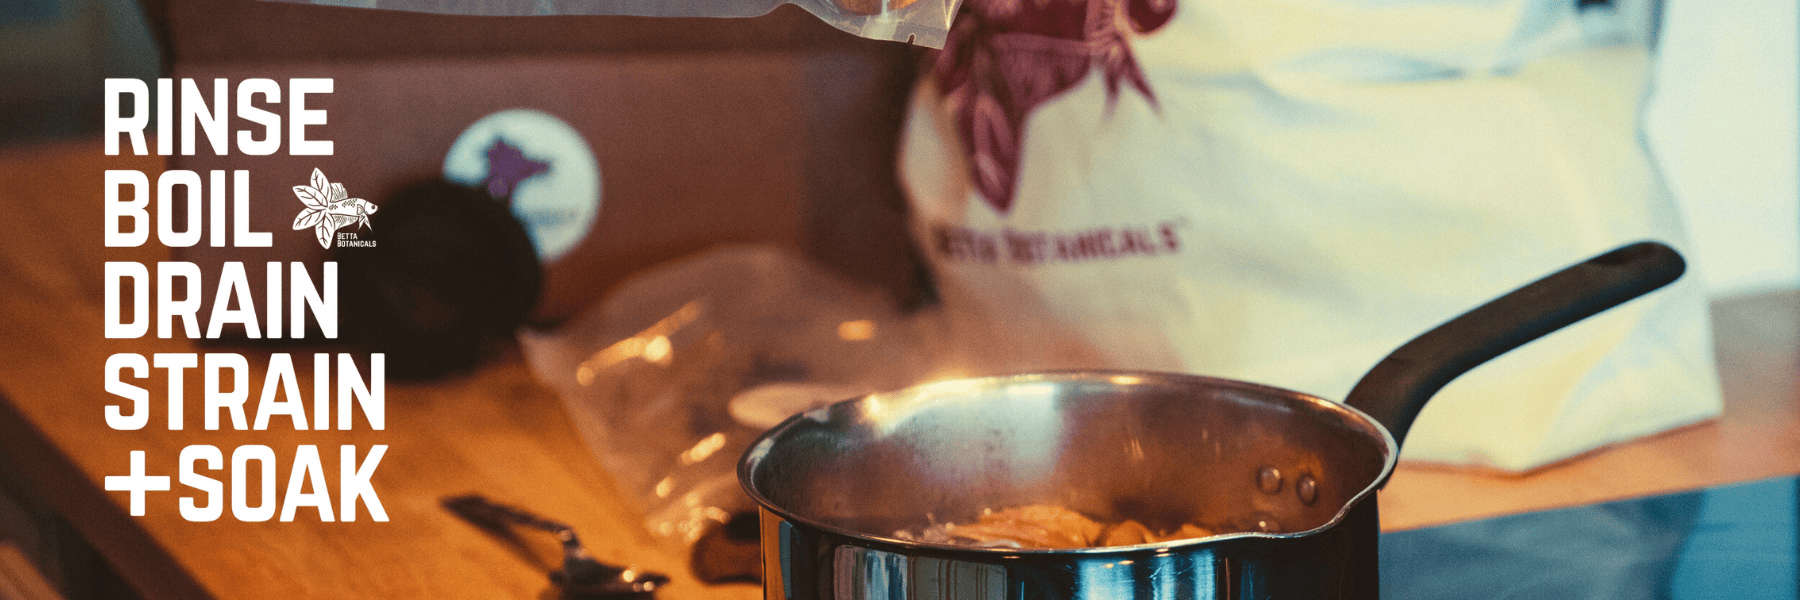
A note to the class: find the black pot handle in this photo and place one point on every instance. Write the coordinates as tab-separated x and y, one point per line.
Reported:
1395	390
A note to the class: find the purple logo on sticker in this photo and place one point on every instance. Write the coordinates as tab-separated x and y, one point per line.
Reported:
507	167
540	166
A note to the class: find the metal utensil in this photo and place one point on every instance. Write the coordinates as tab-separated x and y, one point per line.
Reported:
581	575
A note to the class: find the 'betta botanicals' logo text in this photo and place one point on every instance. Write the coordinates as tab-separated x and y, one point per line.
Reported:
328	208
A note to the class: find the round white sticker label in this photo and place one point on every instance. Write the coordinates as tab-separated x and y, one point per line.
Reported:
538	165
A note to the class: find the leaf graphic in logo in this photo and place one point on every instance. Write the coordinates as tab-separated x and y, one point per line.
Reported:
310	196
309	218
994	150
318	181
324	230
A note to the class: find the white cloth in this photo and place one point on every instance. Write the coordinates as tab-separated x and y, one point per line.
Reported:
1302	186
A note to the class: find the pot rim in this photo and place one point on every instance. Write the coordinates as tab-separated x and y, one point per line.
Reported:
765	442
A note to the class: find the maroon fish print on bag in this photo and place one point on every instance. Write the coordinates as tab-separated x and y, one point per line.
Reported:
1005	57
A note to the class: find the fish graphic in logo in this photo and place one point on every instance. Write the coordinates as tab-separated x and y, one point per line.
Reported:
329	207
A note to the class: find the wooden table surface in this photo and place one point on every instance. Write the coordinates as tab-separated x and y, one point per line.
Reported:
499	433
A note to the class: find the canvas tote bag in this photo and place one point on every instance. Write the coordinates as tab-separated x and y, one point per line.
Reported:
1283	191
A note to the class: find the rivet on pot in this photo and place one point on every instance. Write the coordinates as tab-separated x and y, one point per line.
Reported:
1269	479
1307	489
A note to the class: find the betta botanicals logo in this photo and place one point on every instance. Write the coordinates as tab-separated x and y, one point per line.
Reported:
329	208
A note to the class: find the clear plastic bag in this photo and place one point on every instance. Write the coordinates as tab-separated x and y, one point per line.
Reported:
922	22
672	376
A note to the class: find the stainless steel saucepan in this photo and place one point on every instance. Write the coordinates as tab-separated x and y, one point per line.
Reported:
1288	479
